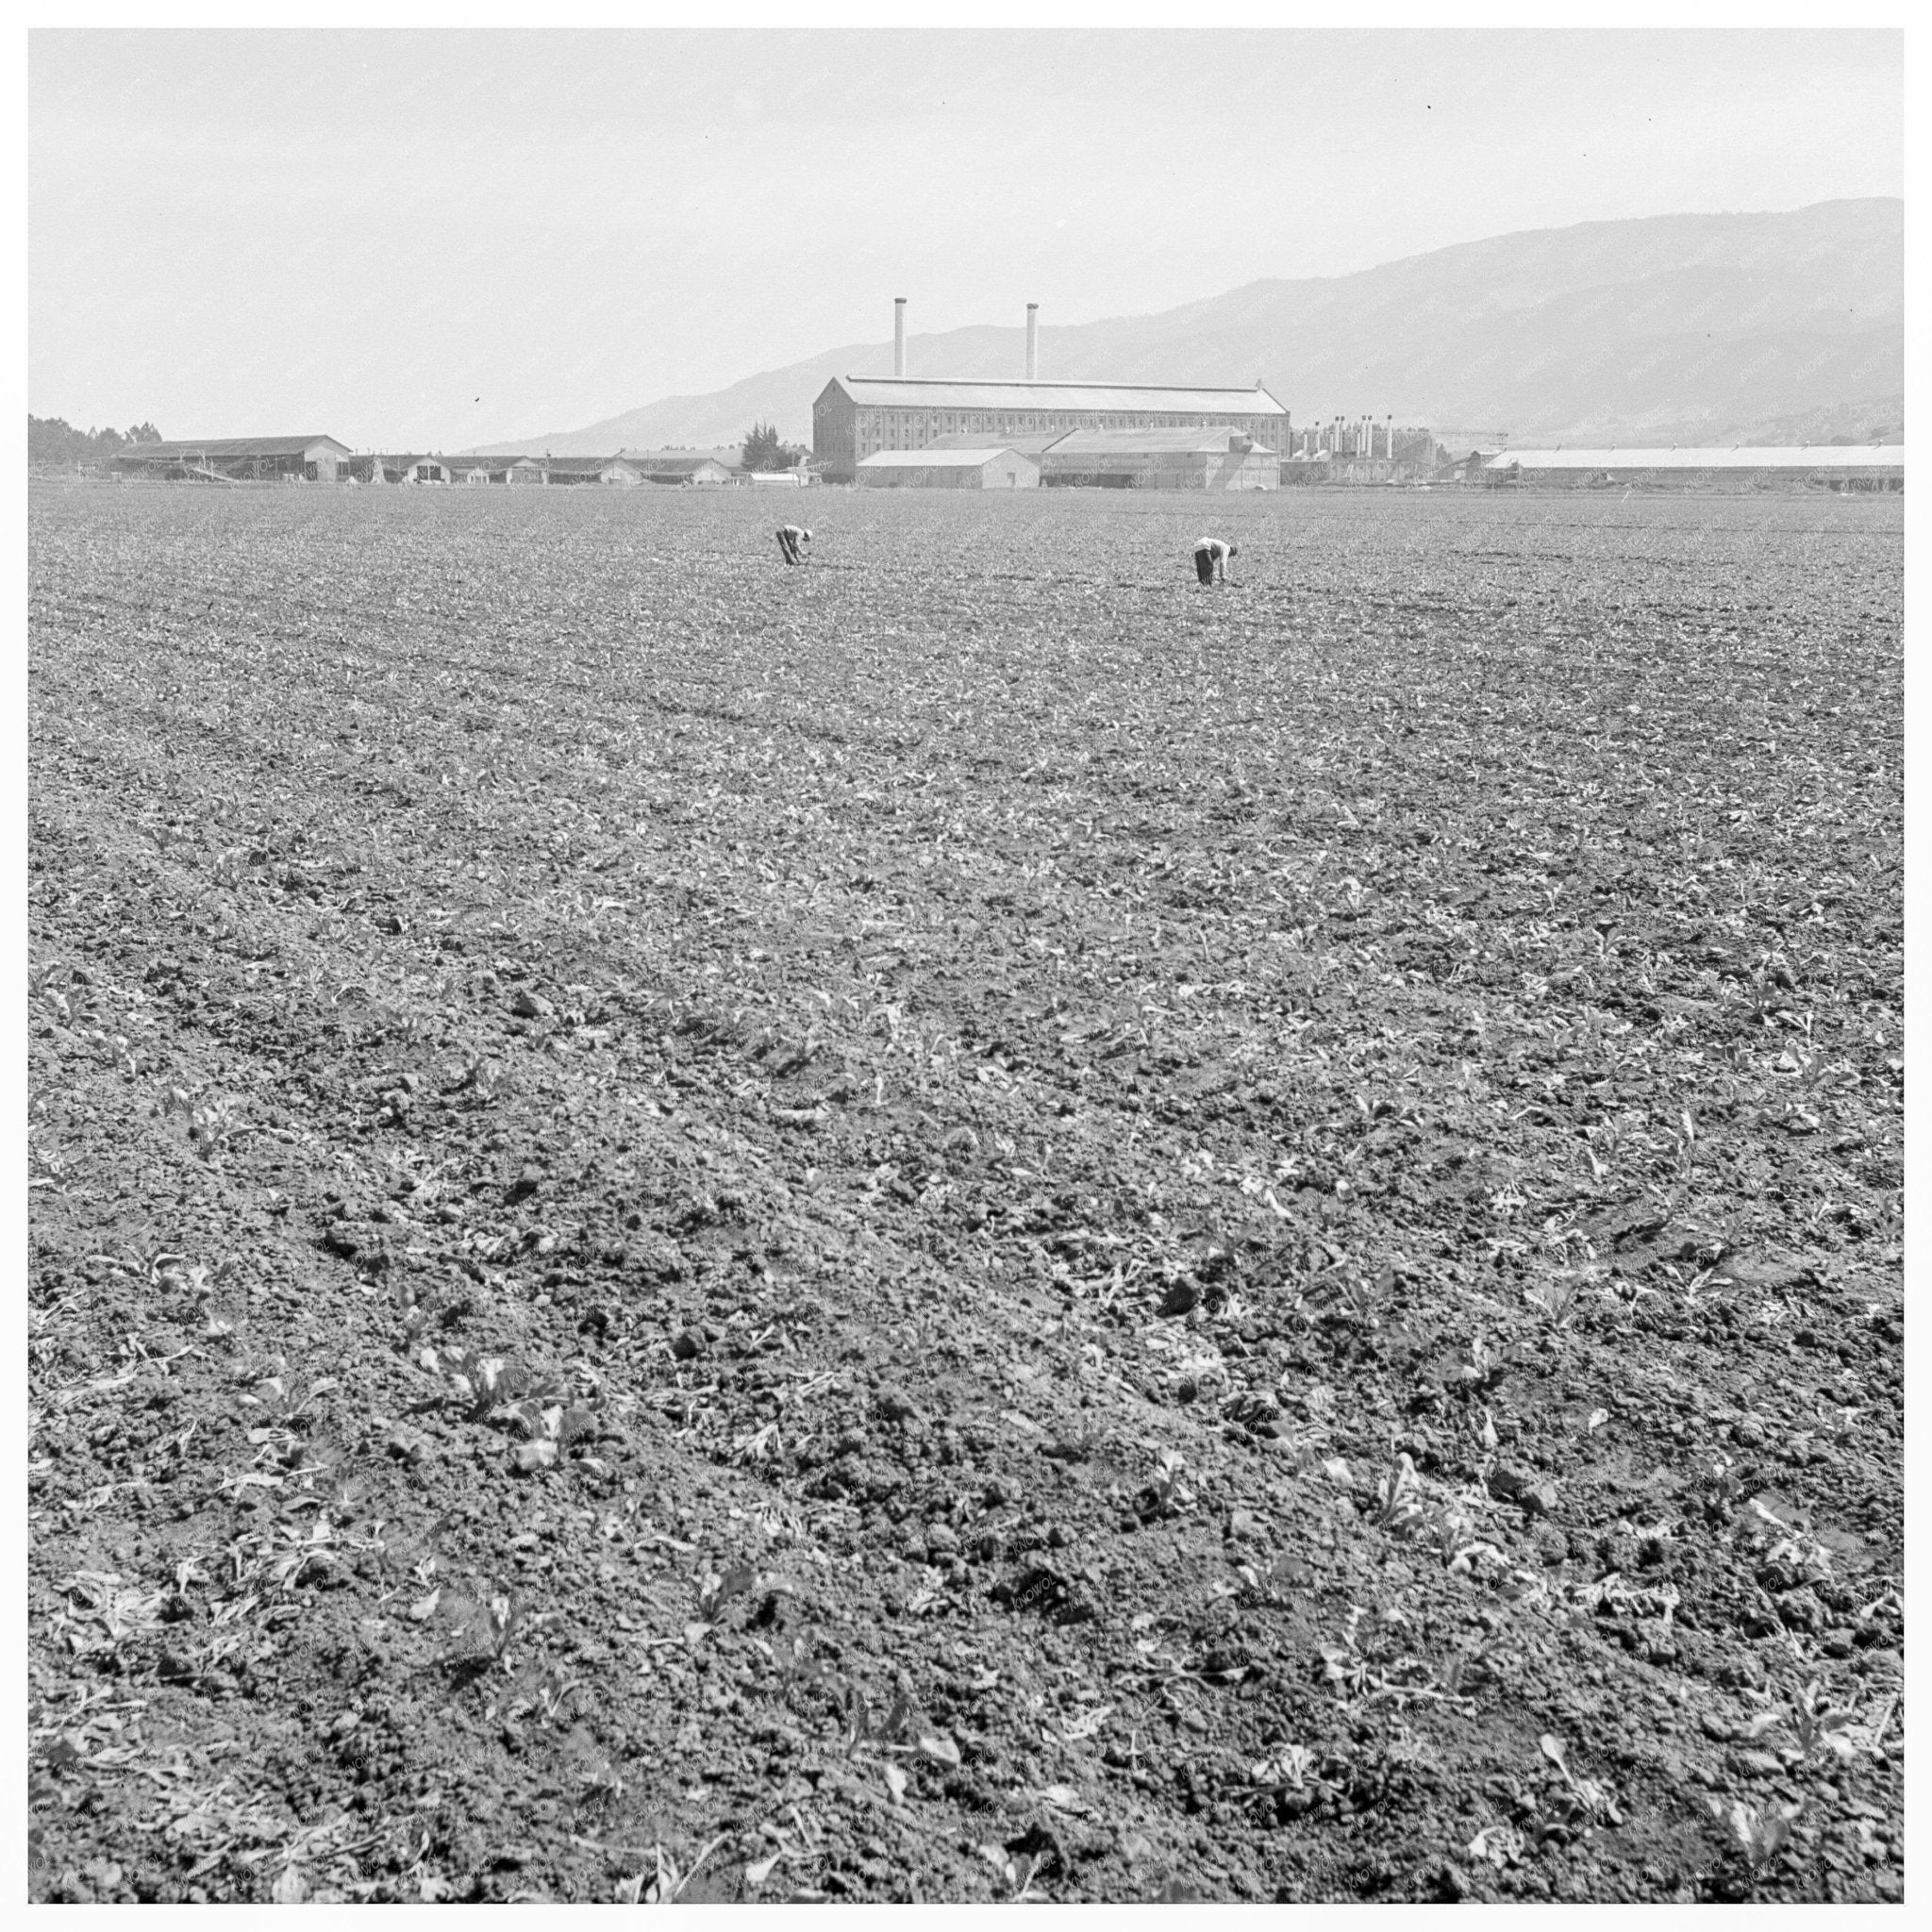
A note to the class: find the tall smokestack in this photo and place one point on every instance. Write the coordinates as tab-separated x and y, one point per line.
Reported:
1033	342
899	336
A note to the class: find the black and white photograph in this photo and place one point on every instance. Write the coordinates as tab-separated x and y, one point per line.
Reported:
965	964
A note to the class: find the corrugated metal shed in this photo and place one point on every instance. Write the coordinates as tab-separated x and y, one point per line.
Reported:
919	394
992	466
239	458
1740	457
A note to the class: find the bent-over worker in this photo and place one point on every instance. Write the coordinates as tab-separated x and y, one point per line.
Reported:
1211	554
792	542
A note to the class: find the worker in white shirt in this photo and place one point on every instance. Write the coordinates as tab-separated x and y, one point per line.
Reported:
1212	555
792	542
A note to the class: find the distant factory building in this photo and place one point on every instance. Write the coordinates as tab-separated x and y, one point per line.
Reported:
1220	459
1360	450
252	459
1832	466
949	468
860	416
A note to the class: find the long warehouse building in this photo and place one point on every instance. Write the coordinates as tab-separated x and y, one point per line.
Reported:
859	416
301	458
1833	466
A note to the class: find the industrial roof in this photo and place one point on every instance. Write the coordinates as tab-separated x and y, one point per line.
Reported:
404	458
585	466
934	458
232	446
674	462
1214	440
1815	455
1031	443
919	394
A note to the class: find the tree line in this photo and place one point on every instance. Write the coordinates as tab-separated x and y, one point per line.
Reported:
53	442
764	450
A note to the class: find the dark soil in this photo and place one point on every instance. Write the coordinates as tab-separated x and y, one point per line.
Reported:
967	1221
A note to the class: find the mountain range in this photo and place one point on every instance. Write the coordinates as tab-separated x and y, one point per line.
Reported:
1670	328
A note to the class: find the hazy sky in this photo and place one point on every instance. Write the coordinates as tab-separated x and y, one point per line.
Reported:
428	240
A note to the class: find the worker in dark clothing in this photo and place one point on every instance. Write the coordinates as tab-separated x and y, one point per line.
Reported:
1212	555
793	544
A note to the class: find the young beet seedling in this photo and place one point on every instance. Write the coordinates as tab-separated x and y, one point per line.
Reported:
553	1692
1399	1510
1342	1664
1759	1835
1588	1800
1815	1726
1289	1774
716	1592
1363	1299
1485	1367
663	1885
1165	1491
1556	1299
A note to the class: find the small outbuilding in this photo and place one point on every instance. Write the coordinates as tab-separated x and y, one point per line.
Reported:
698	469
998	468
586	470
483	469
1225	458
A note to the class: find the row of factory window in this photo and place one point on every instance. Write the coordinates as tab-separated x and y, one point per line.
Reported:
948	423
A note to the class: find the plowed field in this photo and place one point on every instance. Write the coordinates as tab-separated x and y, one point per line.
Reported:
966	1223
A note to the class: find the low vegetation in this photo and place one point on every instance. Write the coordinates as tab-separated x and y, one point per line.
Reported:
969	1222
